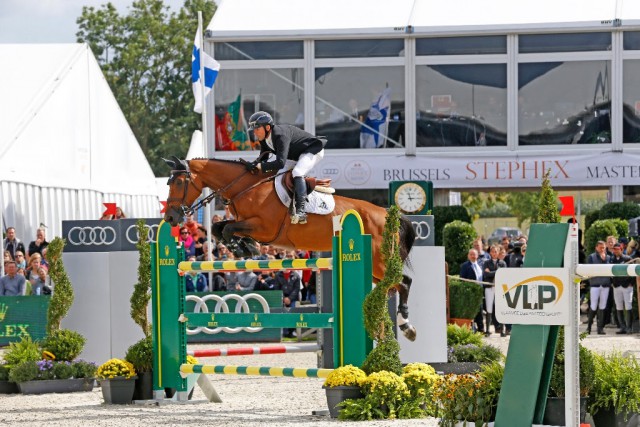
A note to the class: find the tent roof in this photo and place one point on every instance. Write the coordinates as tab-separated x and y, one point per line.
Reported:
62	126
238	19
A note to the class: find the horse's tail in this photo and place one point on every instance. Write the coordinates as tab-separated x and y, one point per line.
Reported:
407	239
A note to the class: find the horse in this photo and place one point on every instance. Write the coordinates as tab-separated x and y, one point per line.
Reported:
260	215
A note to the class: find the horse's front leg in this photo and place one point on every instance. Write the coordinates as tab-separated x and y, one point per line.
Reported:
238	234
402	317
217	227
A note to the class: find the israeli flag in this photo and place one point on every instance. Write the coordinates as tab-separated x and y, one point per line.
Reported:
211	69
373	131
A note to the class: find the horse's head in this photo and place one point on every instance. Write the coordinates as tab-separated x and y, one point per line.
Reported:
182	191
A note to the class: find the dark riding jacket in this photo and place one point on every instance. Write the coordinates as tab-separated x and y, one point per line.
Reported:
289	143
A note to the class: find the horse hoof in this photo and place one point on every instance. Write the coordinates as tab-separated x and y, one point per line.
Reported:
409	332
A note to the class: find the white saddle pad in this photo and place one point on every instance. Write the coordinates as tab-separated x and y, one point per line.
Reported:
318	203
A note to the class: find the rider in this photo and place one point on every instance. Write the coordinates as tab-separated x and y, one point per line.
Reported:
288	142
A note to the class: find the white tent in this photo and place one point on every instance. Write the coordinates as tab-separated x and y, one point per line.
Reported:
65	146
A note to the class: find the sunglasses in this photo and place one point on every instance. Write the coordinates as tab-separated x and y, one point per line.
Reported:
184	232
19	256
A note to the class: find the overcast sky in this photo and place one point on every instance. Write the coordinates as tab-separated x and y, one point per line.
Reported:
50	21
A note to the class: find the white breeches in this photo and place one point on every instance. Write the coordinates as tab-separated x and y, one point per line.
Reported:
489	295
303	166
623	297
599	297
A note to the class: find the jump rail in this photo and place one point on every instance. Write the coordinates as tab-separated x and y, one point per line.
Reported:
187	369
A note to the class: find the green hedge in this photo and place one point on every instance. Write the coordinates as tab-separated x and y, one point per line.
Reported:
599	230
443	215
464	299
458	239
622	210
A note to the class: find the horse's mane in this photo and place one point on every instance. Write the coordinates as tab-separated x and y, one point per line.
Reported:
237	162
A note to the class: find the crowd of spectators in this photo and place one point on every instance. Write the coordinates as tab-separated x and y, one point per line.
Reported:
26	271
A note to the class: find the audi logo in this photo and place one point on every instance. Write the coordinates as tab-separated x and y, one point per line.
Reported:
133	238
422	228
221	304
328	171
85	236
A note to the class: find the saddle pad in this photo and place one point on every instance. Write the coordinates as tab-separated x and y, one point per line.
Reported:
318	203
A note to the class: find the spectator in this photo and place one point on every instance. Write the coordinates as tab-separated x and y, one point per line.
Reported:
265	282
12	243
188	242
228	216
472	270
599	289
31	272
632	249
191	225
502	256
310	287
119	214
200	240
479	247
20	260
289	282
622	292
7	257
611	240
218	282
516	258
623	244
44	261
489	274
506	243
246	281
223	252
39	244
12	284
195	282
42	285
264	255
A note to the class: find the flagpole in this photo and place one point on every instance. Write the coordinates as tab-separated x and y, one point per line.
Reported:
205	150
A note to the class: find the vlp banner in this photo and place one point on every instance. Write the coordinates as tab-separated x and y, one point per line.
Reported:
533	296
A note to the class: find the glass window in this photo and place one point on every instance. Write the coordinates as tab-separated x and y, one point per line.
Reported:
564	103
631	40
631	101
461	105
359	48
461	45
258	50
574	42
360	107
240	93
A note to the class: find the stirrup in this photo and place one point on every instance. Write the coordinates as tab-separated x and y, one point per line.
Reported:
298	218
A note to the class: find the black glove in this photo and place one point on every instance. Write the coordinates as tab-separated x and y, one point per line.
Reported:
251	166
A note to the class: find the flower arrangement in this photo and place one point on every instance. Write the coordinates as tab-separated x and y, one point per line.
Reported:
113	368
421	380
348	375
47	369
459	399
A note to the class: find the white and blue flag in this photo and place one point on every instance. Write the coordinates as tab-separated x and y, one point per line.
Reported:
373	131
211	67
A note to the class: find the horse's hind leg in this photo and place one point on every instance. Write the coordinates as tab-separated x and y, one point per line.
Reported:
402	317
241	246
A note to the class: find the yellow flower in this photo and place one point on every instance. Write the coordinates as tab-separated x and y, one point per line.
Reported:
48	355
191	360
113	368
348	375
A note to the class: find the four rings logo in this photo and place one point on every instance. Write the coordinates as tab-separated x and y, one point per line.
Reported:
131	234
222	307
85	236
422	228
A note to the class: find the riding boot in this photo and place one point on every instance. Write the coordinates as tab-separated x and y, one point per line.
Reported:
628	320
621	322
600	322
589	320
300	188
487	319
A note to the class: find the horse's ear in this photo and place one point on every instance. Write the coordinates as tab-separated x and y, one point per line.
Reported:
180	164
171	163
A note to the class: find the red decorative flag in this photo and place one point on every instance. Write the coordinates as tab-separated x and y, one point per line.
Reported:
175	231
111	209
568	209
164	206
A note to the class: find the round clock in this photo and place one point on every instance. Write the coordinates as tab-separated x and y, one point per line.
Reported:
410	197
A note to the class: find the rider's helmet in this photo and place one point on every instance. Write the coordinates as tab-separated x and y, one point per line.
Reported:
259	119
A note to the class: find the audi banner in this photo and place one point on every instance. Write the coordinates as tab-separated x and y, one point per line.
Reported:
105	236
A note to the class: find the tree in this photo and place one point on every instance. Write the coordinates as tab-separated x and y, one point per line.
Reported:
145	56
524	206
548	209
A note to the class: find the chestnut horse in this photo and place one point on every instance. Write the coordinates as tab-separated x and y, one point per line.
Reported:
260	215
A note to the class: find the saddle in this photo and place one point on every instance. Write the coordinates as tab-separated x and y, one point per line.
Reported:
313	184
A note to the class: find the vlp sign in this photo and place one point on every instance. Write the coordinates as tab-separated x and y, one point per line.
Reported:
532	296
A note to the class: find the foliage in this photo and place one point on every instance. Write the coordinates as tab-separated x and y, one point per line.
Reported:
142	289
458	335
483	353
548	206
62	297
83	369
479	204
524	206
458	239
4	372
145	56
348	375
621	210
64	344
621	225
22	351
25	371
599	230
587	369
443	215
377	322
421	380
460	398
62	370
499	210
590	218
616	385
464	299
113	368
140	355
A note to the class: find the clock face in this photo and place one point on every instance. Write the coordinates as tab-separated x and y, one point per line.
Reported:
411	197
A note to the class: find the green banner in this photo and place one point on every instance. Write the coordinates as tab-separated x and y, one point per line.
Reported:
24	316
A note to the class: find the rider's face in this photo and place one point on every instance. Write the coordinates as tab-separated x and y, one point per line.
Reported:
259	133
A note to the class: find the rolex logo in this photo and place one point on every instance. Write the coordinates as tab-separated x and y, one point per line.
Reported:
351	244
166	250
3	311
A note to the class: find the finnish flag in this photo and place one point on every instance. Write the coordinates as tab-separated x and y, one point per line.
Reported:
211	67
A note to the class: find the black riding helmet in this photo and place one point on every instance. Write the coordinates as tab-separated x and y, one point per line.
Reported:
260	118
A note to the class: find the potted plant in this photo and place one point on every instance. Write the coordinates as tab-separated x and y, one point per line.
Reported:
466	351
18	352
140	355
614	399
341	384
421	380
464	301
6	386
554	410
117	378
